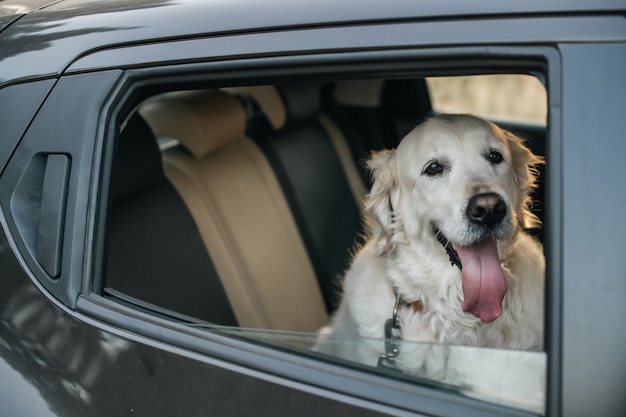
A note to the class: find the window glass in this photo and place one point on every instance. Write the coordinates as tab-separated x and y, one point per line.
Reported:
505	97
514	378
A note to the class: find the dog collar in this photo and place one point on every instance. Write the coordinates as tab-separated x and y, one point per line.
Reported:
452	254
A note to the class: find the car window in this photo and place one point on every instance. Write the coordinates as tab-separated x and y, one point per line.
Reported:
505	97
221	217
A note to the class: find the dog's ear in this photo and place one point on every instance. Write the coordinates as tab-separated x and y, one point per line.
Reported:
525	176
378	210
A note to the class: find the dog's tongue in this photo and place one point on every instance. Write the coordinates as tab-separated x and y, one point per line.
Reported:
483	280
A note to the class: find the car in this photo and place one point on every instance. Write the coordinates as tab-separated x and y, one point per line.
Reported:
181	186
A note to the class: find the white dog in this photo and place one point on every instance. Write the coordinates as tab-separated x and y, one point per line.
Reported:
447	260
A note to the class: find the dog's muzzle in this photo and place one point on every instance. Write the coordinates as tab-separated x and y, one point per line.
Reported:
482	277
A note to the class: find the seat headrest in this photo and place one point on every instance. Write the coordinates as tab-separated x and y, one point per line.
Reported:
268	100
284	105
361	93
301	101
202	121
137	164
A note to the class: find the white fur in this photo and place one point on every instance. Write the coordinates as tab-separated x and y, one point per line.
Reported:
403	251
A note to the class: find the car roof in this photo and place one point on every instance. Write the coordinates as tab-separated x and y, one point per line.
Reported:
12	10
46	40
21	7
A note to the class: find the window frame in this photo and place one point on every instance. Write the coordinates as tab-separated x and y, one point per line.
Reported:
351	384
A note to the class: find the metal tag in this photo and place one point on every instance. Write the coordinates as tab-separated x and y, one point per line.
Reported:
393	334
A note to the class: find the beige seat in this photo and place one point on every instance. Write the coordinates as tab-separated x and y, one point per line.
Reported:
272	105
240	209
317	172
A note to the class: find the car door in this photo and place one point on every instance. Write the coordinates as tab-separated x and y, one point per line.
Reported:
71	349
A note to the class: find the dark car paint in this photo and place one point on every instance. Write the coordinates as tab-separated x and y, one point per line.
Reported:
53	364
19	104
73	99
12	10
47	41
5	21
58	362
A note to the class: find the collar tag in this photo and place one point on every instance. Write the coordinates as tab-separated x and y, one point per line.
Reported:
393	336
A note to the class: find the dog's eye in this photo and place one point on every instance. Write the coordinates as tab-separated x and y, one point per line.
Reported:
433	168
495	157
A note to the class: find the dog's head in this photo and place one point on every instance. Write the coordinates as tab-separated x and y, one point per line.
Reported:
460	183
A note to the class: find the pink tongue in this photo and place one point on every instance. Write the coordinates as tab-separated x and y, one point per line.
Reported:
483	280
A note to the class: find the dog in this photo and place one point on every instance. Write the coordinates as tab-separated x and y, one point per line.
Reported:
447	259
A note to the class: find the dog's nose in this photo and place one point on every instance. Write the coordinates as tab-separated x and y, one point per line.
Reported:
487	209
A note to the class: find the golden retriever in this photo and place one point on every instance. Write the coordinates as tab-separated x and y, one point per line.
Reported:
447	259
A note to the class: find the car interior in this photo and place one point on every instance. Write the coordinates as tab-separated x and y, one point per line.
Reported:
241	206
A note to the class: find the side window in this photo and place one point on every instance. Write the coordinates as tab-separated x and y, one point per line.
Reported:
247	224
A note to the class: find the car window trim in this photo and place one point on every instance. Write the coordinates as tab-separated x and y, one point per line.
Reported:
323	66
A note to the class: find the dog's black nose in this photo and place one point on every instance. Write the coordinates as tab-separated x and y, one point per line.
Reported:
487	209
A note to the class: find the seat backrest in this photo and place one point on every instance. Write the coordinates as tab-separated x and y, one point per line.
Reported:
320	181
376	114
155	252
239	206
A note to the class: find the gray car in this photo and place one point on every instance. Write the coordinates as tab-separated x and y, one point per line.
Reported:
181	186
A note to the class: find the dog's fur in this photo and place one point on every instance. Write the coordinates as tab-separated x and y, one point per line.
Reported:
410	202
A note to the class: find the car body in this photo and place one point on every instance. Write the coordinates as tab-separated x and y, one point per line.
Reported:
72	71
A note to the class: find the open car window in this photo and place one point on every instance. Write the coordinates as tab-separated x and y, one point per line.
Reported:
238	209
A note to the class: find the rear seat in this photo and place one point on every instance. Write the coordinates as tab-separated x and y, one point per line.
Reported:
376	114
317	173
238	203
155	255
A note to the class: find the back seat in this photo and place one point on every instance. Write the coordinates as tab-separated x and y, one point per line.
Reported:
155	254
376	114
239	206
318	176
